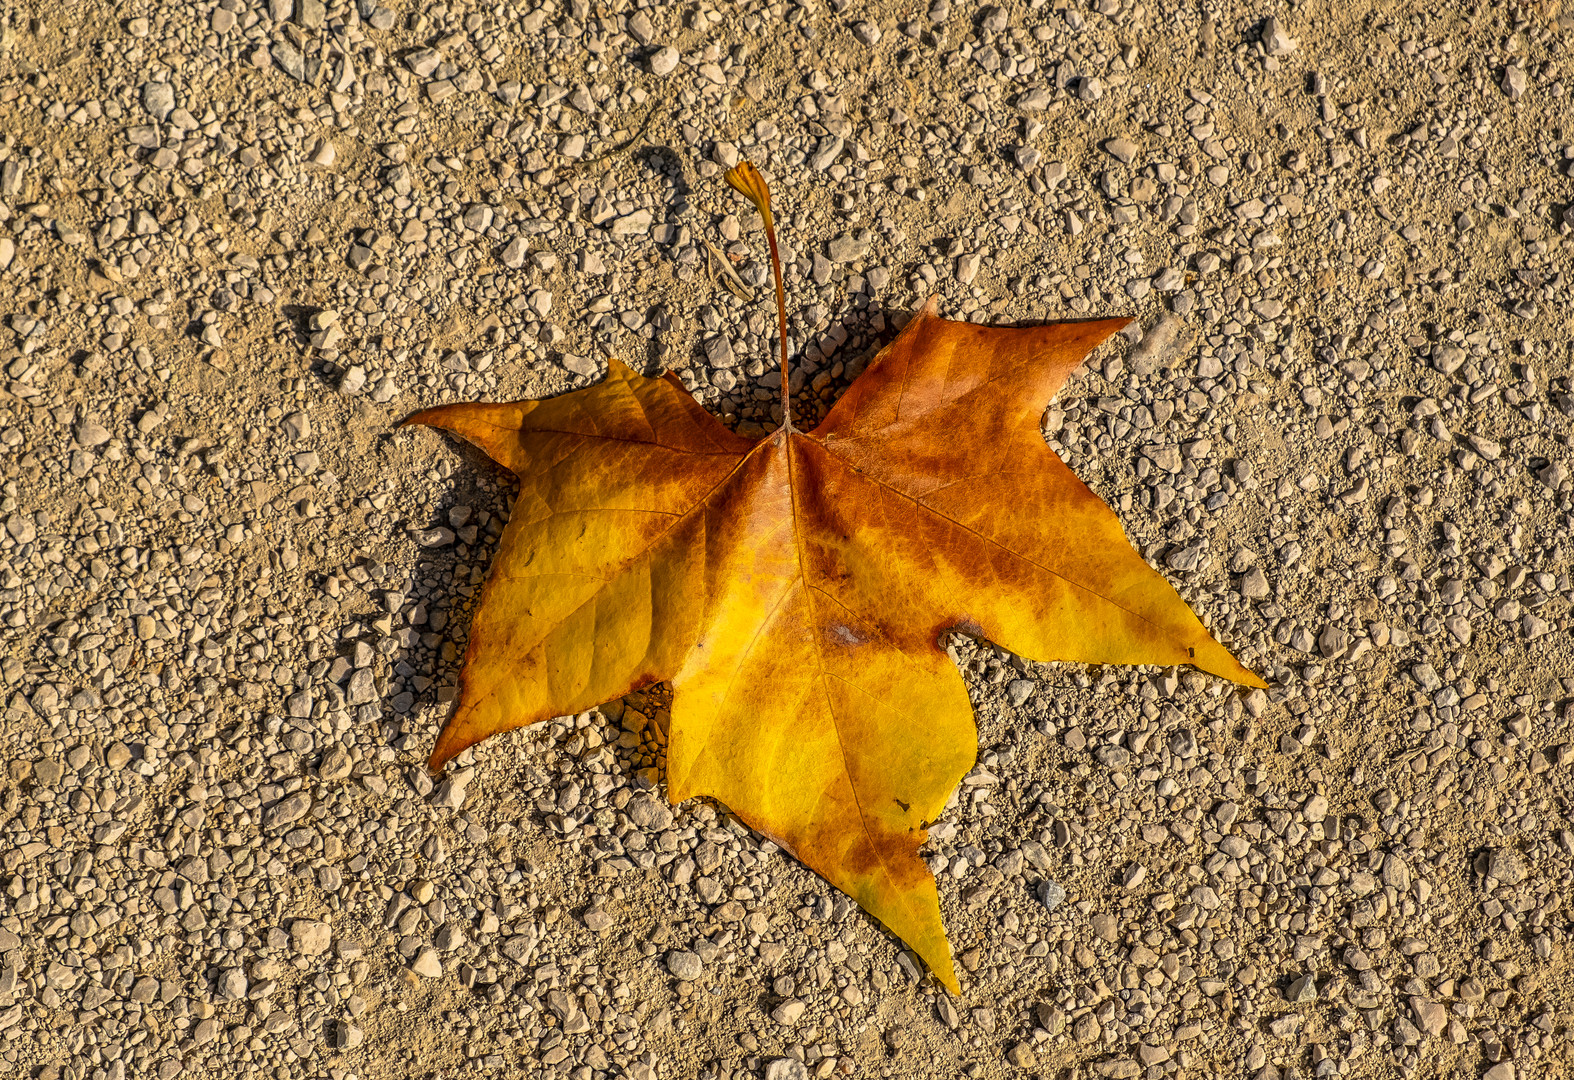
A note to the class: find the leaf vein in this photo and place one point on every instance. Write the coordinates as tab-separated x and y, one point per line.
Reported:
819	656
991	541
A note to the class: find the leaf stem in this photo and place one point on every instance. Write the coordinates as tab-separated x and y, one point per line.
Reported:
747	181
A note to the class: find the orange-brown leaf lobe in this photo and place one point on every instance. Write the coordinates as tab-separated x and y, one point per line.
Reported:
794	590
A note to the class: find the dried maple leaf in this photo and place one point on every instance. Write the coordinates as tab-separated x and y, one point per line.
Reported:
795	591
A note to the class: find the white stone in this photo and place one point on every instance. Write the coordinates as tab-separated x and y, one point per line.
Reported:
633	224
1274	38
309	937
684	965
664	60
427	964
786	1069
1514	82
788	1013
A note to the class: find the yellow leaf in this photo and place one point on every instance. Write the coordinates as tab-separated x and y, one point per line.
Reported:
795	591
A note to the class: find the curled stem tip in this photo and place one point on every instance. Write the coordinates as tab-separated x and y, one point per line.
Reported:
745	179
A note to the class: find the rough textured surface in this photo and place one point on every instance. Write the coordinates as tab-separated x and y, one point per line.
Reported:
239	241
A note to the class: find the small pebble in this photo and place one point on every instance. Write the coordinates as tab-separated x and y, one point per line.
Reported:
664	61
684	965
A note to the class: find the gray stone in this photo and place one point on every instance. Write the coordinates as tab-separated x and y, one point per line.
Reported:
1122	150
664	61
583	366
1050	894
1430	1016
632	224
1506	866
1316	809
1448	358
158	98
1274	38
287	810
1254	584
90	433
422	62
291	60
362	688
311	14
562	1006
1514	82
786	1069
1035	99
684	965
1019	690
649	812
335	766
848	247
718	351
450	794
788	1013
1396	872
1333	642
1166	456
825	154
232	984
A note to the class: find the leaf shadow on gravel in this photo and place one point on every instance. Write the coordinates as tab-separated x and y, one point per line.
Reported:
447	594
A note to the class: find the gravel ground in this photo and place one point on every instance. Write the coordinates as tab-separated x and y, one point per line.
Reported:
239	241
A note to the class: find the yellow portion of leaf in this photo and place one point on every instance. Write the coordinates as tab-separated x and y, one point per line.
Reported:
805	718
591	592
